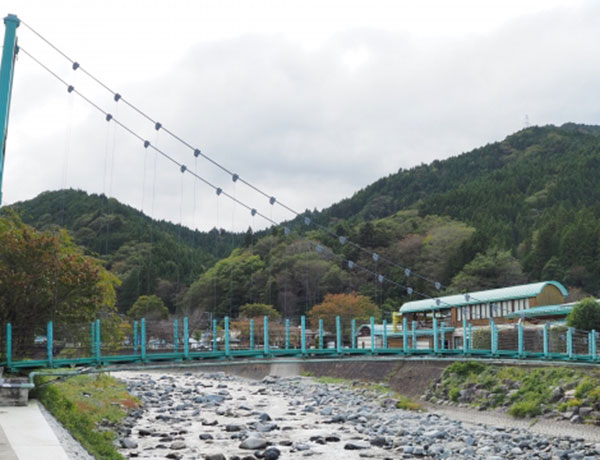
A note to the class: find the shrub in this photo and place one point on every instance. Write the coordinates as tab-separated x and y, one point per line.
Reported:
585	315
584	387
454	394
464	368
526	408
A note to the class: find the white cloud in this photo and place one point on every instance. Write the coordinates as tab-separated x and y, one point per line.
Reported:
307	117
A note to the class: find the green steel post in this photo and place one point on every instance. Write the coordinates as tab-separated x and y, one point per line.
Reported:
8	345
49	342
496	338
226	332
372	334
303	334
520	337
320	333
135	337
570	343
414	335
545	337
404	335
287	334
589	343
353	326
494	344
464	331
435	336
186	339
338	334
143	339
252	334
385	334
98	343
9	53
470	338
214	334
92	339
175	336
266	330
594	344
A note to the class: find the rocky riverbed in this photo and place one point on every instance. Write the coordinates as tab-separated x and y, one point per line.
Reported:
222	417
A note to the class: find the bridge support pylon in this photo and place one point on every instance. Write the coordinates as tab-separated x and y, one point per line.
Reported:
7	67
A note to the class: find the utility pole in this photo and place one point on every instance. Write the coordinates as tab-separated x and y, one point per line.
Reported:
9	53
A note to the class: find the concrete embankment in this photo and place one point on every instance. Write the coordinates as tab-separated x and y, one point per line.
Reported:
408	377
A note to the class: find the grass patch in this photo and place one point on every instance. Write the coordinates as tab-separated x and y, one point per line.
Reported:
89	406
523	391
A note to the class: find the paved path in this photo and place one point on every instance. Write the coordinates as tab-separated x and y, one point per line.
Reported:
541	426
26	435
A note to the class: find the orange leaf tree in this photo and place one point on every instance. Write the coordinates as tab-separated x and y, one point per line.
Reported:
347	307
45	276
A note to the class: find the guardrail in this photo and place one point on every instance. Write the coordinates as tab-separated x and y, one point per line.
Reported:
152	341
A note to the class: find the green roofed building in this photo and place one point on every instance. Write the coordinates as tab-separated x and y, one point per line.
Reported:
533	303
543	301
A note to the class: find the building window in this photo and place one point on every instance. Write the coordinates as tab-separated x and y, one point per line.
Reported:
526	303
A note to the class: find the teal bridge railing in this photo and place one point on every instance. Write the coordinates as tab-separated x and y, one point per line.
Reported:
146	342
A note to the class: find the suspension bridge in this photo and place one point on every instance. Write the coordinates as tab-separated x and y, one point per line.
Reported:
60	345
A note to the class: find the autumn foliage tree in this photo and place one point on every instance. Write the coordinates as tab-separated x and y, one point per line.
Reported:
45	276
347	307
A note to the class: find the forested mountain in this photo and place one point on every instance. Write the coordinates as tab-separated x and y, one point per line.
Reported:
524	209
535	194
148	256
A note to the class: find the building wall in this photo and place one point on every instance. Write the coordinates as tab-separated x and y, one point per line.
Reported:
550	295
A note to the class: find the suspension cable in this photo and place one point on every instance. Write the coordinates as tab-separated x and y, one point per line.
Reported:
235	177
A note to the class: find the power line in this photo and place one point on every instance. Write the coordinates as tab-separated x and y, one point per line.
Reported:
219	191
235	177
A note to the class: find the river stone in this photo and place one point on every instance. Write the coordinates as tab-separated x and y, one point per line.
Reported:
205	436
232	428
215	457
128	443
355	446
272	453
177	445
253	443
264	417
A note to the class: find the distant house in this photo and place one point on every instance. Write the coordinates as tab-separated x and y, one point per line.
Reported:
543	301
503	304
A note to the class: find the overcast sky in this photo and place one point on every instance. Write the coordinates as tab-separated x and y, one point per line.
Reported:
308	100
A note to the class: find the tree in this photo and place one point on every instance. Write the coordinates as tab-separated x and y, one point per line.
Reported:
255	310
347	307
490	270
45	276
150	307
585	315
